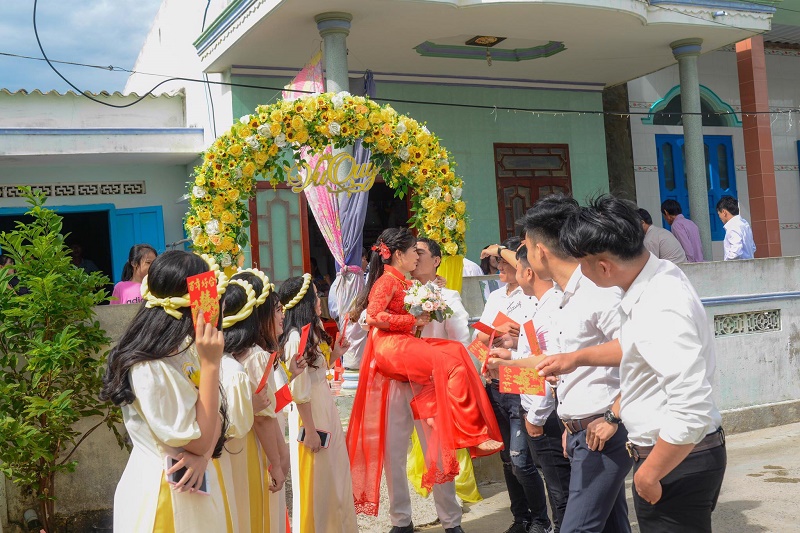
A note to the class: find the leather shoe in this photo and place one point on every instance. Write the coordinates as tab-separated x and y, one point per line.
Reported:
403	529
456	529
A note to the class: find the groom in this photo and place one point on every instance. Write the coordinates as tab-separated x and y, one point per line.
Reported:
398	430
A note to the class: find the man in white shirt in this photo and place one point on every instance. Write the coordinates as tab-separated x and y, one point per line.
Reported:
666	356
539	412
587	317
524	484
739	243
400	416
471	268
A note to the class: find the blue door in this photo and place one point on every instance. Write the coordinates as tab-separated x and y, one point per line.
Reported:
720	174
137	225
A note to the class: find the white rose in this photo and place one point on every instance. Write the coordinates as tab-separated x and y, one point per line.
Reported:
196	231
338	99
334	128
238	173
226	260
426	130
212	227
252	141
198	191
403	154
280	140
456	192
450	223
400	128
427	306
436	192
265	131
245	119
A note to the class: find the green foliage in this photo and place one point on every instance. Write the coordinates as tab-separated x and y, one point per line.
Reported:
51	364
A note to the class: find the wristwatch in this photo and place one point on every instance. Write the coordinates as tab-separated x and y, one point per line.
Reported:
500	249
611	418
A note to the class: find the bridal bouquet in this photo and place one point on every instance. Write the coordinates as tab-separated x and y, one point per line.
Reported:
426	298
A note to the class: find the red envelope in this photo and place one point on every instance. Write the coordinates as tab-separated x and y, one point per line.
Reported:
503	318
267	372
203	297
483	328
533	340
304	331
515	380
283	397
479	350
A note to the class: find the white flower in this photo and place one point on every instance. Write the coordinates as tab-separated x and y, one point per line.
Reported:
265	131
334	128
425	130
252	141
450	223
400	128
226	260
427	306
196	231
403	154
338	99
456	192
280	140
245	119
441	162
212	227
436	192
198	191
238	173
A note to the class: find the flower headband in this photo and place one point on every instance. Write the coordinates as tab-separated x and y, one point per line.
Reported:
247	308
172	304
303	290
267	286
383	250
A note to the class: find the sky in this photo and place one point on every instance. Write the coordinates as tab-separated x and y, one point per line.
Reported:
99	32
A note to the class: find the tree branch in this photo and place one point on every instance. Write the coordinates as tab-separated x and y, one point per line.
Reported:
89	432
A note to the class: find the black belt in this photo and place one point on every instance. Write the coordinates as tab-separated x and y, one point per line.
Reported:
712	440
579	424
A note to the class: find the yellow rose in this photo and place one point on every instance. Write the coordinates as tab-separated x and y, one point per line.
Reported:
428	203
383	144
261	158
204	214
302	136
435	235
233	195
227	243
243	130
297	122
374	117
451	248
235	150
249	169
215	240
461	207
217	210
200	180
363	124
201	239
461	227
273	150
227	217
276	116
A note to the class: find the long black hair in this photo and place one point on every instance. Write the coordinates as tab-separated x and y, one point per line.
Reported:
267	336
305	312
395	239
242	335
136	255
153	334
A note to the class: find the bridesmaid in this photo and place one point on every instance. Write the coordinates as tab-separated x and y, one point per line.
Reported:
322	493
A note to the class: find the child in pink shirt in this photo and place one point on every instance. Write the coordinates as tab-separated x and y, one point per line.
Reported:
128	291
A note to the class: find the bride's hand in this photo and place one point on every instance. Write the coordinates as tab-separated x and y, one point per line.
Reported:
423	320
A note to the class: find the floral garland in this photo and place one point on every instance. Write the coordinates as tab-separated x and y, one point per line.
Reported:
410	156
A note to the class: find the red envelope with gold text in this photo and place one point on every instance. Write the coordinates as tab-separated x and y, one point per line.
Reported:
479	350
203	297
514	380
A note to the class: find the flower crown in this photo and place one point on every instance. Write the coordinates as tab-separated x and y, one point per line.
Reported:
382	250
247	308
303	290
173	304
267	286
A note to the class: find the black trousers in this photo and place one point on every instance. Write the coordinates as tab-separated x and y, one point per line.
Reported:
549	455
689	495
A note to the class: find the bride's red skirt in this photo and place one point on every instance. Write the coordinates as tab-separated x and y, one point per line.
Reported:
448	394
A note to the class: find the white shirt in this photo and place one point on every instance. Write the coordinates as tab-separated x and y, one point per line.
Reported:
501	300
455	327
471	268
538	407
667	359
588	315
739	243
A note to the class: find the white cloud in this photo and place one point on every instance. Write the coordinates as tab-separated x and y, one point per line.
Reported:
99	32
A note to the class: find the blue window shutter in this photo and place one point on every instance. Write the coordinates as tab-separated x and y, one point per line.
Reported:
136	225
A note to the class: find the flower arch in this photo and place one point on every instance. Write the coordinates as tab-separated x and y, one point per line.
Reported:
409	157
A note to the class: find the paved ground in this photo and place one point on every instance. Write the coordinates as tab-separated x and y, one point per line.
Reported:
761	492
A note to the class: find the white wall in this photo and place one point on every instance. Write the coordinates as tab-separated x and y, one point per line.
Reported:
717	71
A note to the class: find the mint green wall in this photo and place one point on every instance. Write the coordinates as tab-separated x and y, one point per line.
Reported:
469	134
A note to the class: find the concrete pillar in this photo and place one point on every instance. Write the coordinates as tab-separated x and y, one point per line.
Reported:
757	133
686	51
334	27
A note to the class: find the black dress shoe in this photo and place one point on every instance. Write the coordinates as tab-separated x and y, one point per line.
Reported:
456	529
403	529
